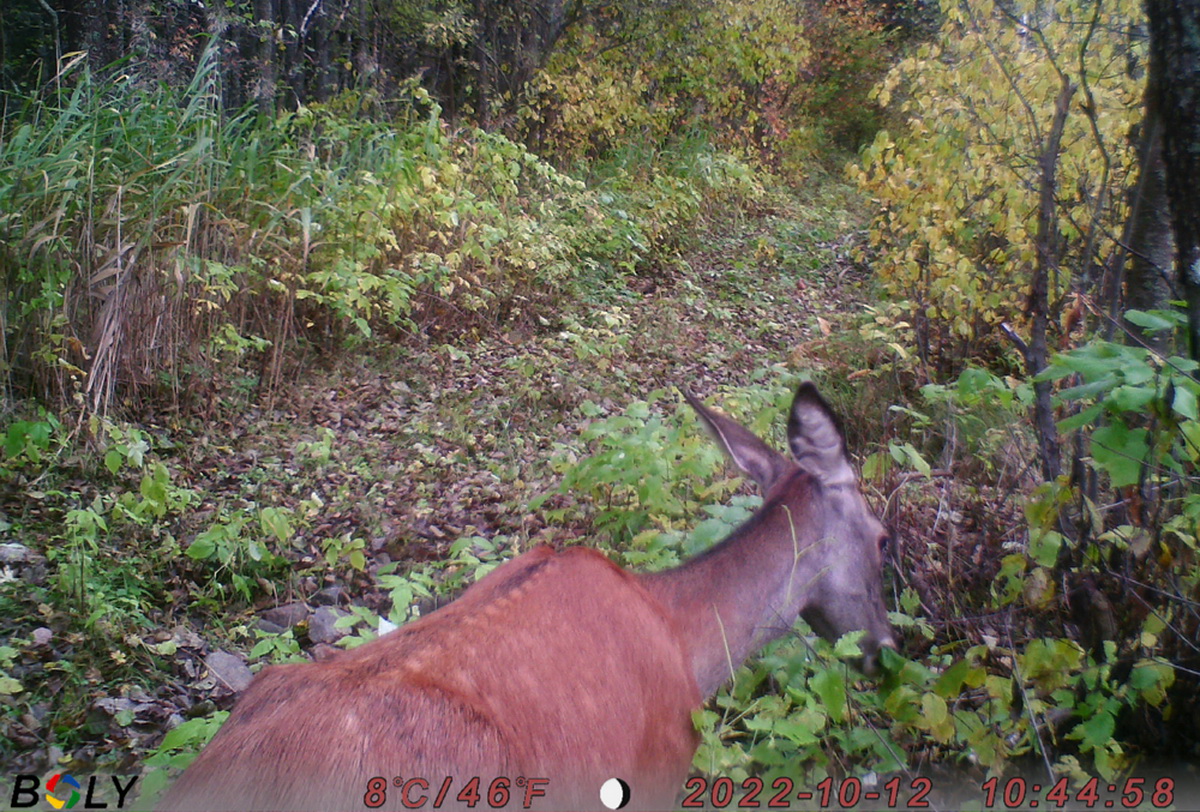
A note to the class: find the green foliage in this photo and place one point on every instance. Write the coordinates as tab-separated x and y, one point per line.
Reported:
633	473
109	540
1125	406
956	236
980	415
317	452
469	559
1143	407
9	686
786	712
1137	410
743	72
648	476
799	711
424	210
321	225
27	442
347	547
240	545
281	647
178	749
107	588
99	565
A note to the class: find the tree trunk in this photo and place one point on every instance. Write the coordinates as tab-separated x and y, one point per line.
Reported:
291	21
321	36
1152	250
365	65
1174	81
1049	250
216	21
265	81
483	59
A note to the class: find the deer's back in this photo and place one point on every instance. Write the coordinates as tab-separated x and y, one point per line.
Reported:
556	665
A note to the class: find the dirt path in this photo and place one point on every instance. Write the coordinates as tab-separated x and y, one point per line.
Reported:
431	443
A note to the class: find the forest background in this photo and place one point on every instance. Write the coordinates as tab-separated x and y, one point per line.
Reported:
340	303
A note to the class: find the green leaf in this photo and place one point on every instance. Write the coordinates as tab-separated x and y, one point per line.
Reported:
934	709
708	533
976	381
1191	436
1152	679
1185	401
831	688
154	490
1131	398
1153	321
136	452
275	521
177	737
875	466
1120	452
1090	389
193	732
907	454
847	645
795	731
14	440
1044	546
1095	732
1093	366
202	548
951	681
1084	417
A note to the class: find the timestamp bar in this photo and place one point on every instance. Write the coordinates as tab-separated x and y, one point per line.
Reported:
829	793
918	792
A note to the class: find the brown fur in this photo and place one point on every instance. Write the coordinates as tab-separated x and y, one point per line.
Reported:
513	678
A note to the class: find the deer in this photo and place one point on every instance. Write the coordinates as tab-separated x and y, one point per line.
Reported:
560	670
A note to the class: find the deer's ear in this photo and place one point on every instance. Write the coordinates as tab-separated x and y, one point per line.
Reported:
755	458
816	440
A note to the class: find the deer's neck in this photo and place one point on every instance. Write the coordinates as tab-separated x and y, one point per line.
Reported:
746	591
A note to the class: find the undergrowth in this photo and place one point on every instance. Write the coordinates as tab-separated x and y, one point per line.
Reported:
199	245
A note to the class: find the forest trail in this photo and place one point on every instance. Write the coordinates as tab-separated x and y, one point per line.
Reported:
435	441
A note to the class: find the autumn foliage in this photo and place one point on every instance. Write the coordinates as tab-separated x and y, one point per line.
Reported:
957	187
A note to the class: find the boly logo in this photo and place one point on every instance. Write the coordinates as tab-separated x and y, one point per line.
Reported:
52	786
64	791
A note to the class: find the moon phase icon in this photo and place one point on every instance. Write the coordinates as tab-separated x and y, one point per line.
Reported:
614	793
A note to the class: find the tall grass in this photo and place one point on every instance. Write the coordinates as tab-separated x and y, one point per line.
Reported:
156	249
108	190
